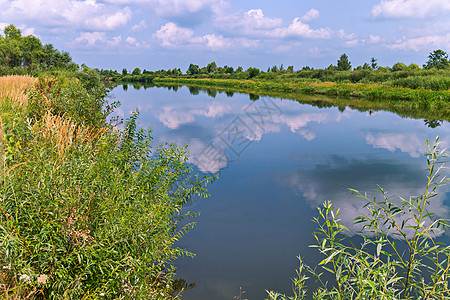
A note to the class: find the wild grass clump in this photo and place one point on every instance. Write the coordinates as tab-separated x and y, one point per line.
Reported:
87	211
431	82
12	88
377	268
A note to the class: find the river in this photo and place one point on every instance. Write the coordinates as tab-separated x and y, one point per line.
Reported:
277	160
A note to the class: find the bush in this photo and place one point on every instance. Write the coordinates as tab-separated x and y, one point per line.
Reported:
86	105
376	269
86	211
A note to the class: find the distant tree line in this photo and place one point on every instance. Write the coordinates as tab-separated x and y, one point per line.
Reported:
434	74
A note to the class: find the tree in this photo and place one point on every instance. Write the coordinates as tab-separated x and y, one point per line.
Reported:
437	59
252	72
343	64
211	68
399	67
12	32
414	67
192	70
136	71
290	69
124	71
373	63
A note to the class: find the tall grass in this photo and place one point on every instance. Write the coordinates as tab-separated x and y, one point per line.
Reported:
12	88
87	211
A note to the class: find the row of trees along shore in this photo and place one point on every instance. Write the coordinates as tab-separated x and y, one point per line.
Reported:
434	74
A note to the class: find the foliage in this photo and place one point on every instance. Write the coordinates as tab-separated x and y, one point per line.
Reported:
83	103
437	59
399	67
343	64
400	100
193	69
136	71
377	269
373	63
26	54
252	72
211	68
85	210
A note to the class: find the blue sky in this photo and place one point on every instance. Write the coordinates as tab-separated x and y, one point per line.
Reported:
155	34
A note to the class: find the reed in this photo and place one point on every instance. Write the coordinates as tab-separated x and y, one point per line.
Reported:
62	132
13	88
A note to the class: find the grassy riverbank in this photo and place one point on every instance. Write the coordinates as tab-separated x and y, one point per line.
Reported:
86	211
425	104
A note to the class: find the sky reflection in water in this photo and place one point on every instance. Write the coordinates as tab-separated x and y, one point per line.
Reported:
278	160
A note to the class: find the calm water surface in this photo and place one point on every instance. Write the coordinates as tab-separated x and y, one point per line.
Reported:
278	160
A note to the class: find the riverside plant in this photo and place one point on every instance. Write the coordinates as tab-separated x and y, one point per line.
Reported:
377	269
87	211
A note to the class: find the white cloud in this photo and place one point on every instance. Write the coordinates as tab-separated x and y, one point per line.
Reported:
352	43
405	142
419	43
254	23
174	116
311	15
350	38
346	36
299	29
374	39
173	36
132	41
3	25
109	21
410	8
324	182
139	27
185	7
28	31
97	39
87	14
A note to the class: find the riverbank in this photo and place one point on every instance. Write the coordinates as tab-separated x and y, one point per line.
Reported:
86	210
426	104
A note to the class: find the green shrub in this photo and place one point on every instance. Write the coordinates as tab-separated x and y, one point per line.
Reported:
85	210
376	269
85	104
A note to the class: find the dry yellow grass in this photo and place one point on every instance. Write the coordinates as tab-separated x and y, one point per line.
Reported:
2	133
12	88
62	132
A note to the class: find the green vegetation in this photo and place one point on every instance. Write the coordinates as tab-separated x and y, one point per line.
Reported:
377	268
22	55
400	87
86	210
414	102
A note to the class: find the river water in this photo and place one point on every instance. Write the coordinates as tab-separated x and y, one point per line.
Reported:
277	160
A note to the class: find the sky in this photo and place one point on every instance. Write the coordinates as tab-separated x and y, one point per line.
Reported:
166	34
